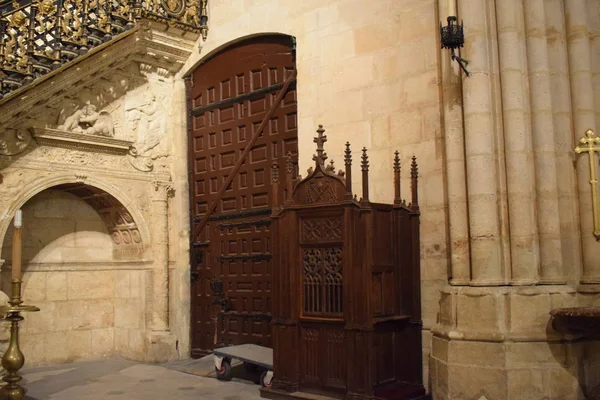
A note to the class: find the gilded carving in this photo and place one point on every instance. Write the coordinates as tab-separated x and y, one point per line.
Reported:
173	7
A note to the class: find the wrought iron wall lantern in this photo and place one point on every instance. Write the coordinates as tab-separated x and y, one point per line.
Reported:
204	19
453	38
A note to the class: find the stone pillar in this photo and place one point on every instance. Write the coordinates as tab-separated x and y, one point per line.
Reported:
517	142
544	142
481	146
458	220
582	97
160	247
561	116
594	26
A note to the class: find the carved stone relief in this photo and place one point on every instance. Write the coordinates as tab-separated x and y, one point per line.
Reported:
80	157
145	116
14	141
86	119
123	116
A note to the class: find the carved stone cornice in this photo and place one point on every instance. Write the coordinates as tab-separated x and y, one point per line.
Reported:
80	141
148	42
100	171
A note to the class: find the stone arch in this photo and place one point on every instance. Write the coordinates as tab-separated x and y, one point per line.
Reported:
226	45
95	192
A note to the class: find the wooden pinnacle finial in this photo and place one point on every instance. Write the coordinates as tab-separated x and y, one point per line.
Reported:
365	175
414	170
289	162
320	140
331	166
274	173
348	162
397	195
275	184
365	160
347	154
414	175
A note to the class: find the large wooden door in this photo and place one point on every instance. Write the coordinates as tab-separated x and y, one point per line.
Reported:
229	96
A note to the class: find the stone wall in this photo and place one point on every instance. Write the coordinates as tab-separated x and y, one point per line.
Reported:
91	305
519	221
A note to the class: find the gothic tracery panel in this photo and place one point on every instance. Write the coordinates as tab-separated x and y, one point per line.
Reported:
323	282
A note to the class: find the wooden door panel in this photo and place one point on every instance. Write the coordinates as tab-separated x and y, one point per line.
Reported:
229	97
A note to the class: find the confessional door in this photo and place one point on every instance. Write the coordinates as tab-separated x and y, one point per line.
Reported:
229	97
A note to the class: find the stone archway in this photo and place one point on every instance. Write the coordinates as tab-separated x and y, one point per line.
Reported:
94	191
93	292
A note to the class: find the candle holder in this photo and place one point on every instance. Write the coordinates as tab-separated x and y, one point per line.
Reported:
453	37
13	359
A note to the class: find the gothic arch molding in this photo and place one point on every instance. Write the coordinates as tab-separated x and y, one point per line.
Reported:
91	185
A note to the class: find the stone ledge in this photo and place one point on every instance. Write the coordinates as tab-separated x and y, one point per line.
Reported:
98	172
80	141
86	266
502	314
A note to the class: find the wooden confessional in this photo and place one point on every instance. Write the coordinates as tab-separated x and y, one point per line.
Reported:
346	287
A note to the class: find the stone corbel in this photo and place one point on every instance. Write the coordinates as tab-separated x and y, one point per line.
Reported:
14	141
144	164
163	190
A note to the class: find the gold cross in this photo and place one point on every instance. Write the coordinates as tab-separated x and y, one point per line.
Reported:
591	145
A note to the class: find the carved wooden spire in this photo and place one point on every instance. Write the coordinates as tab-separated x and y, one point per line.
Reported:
365	174
320	140
331	167
274	173
289	176
348	162
414	178
275	184
397	195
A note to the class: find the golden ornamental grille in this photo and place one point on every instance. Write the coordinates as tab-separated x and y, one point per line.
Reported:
37	37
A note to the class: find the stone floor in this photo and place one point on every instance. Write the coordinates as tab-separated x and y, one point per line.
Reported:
114	379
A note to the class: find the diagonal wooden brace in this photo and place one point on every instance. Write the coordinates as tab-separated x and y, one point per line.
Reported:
244	154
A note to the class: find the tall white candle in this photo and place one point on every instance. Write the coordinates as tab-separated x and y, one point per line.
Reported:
451	8
16	249
19	219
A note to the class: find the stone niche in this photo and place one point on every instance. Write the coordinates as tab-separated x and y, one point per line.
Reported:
90	172
86	154
92	298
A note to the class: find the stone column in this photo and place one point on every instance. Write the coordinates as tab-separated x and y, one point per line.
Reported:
160	247
561	116
455	166
517	142
594	26
582	97
481	147
544	142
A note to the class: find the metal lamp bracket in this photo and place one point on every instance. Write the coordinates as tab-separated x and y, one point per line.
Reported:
452	37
